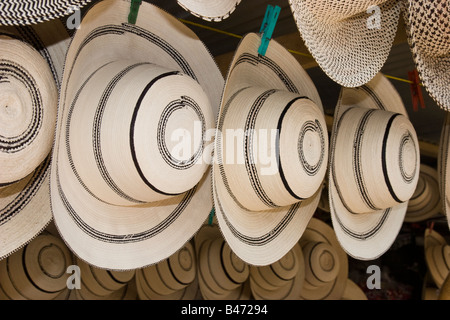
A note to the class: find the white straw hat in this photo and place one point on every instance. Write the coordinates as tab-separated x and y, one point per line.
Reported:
124	193
428	30
210	10
374	168
443	164
264	204
350	40
24	12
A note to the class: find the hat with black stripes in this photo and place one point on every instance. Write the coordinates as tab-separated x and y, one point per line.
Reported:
210	10
271	152
374	167
129	179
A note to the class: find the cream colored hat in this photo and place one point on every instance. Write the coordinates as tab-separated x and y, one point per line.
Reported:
374	168
443	162
350	40
210	10
129	180
270	154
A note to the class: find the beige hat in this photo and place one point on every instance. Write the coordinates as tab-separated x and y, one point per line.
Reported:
428	33
437	258
353	292
350	40
444	293
374	168
270	154
129	180
443	163
210	10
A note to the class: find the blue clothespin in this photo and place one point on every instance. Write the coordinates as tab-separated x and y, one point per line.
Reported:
267	27
134	9
211	216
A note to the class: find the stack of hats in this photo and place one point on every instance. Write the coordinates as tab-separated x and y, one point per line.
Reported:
437	256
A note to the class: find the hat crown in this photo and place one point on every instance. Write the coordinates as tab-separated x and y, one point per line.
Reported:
322	263
375	159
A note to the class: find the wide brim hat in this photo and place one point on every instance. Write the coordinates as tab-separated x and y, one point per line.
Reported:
210	10
25	12
443	164
326	263
353	292
437	256
426	201
369	187
256	86
444	293
428	35
350	41
100	231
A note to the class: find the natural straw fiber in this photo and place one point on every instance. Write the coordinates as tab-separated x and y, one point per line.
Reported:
217	10
443	163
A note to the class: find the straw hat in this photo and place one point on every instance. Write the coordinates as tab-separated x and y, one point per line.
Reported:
374	168
429	39
268	173
340	35
222	275
443	163
210	10
353	292
433	238
444	293
426	201
282	280
324	203
37	271
128	187
326	264
437	256
172	279
24	12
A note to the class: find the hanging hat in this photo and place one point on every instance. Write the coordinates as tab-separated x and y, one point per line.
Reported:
129	180
326	264
438	261
374	168
324	203
174	278
37	271
281	280
443	164
353	292
24	12
222	275
270	155
210	10
425	203
350	40
433	238
428	30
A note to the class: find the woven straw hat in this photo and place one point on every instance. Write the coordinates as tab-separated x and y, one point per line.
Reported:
222	275
437	256
340	35
25	12
326	264
263	205
444	293
174	278
428	30
324	203
353	292
119	183
37	271
374	168
281	280
443	163
210	10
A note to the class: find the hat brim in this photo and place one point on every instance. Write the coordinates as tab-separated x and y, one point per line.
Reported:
443	167
261	238
116	237
353	292
365	236
210	10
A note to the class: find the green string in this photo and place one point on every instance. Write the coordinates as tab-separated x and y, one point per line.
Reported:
134	9
211	216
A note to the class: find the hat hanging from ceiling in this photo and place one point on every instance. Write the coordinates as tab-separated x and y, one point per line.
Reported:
129	179
174	278
350	40
221	274
37	271
281	280
210	10
271	152
428	30
426	201
353	292
326	264
25	12
374	168
443	164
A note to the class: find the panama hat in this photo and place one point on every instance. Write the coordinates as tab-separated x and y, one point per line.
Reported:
281	280
210	10
350	40
374	168
426	201
263	205
126	197
24	12
174	278
428	30
222	275
443	167
324	204
37	271
326	264
438	261
353	292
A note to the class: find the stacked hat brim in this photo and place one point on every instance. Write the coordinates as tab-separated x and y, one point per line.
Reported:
437	256
115	236
443	167
210	10
353	292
